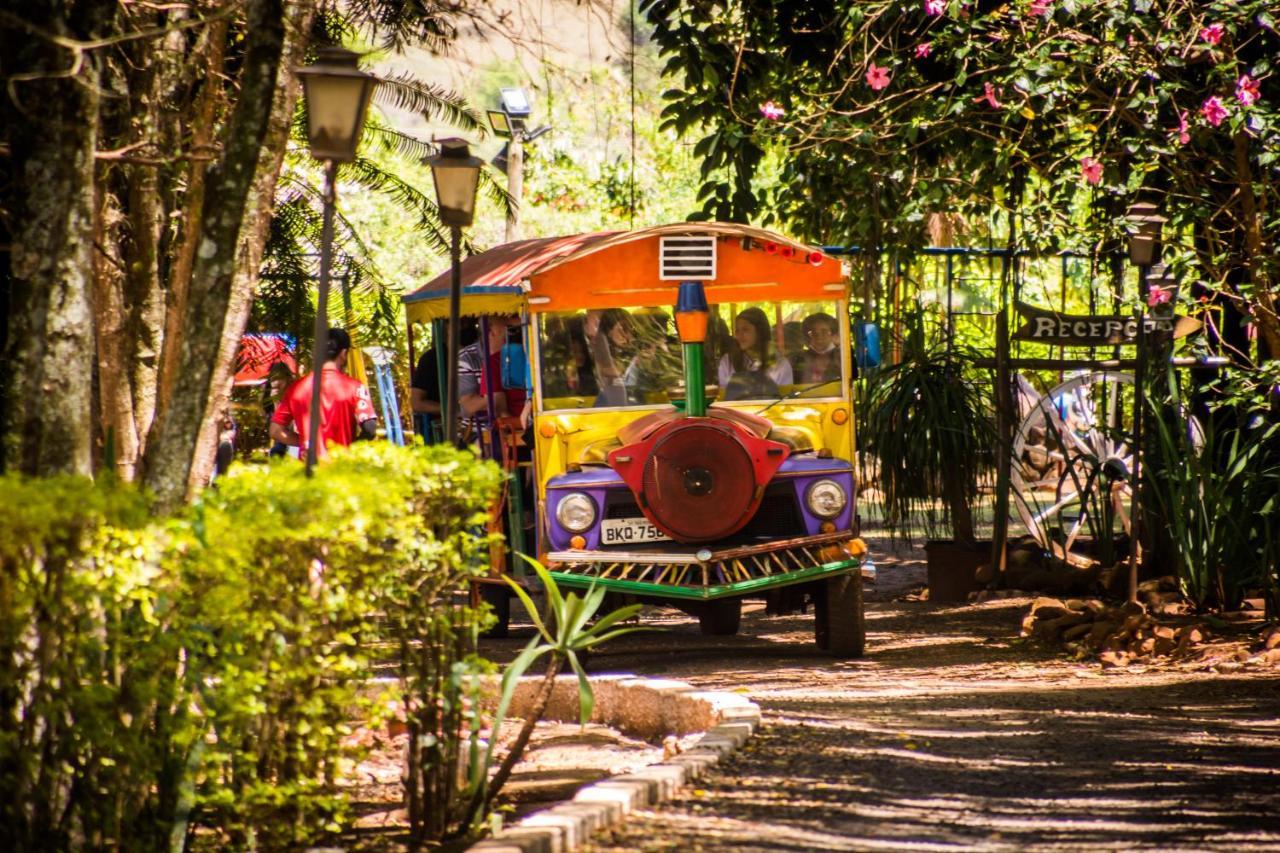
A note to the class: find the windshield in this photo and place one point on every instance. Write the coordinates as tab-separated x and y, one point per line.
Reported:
632	357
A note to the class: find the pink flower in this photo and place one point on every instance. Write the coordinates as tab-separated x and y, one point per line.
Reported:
1158	296
1043	8
1213	111
772	111
1183	136
935	7
877	77
924	49
1247	90
990	94
1091	169
1211	34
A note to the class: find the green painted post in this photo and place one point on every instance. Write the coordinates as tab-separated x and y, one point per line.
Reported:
695	385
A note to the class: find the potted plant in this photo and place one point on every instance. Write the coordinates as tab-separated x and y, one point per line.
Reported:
927	432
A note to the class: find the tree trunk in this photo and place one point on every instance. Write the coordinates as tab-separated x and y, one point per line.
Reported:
238	193
1252	216
53	123
256	228
110	308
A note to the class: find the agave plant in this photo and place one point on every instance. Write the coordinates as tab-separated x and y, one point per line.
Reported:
562	637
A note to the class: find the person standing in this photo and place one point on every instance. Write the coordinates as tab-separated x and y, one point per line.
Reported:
279	378
425	394
346	410
472	396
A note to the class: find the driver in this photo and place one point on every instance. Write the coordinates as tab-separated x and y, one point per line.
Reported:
749	370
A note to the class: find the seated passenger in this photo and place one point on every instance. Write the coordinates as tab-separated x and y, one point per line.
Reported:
819	361
655	370
567	367
610	335
748	370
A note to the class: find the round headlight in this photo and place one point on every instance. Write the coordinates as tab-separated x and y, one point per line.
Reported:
576	512
826	498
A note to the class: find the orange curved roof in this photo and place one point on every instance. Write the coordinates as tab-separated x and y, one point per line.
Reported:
607	268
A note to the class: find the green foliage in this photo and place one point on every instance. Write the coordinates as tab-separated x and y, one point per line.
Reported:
927	422
87	662
1218	491
160	674
1062	111
563	636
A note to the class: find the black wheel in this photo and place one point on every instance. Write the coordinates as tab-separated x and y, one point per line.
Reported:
839	625
720	618
499	600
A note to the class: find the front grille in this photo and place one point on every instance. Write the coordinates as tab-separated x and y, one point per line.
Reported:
620	503
778	517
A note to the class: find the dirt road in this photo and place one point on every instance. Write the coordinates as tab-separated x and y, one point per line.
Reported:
952	734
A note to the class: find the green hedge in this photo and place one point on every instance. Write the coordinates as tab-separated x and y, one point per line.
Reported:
163	675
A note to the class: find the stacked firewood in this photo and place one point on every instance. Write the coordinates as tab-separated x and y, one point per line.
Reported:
1160	626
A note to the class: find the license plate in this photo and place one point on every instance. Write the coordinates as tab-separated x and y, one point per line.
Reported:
627	531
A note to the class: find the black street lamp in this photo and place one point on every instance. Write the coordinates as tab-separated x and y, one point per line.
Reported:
337	94
1145	224
456	175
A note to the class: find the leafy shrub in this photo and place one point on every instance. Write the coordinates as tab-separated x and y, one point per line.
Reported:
1217	489
90	721
928	422
161	673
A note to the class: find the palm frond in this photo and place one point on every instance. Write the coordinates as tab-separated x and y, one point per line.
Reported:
490	185
370	175
393	141
402	23
406	92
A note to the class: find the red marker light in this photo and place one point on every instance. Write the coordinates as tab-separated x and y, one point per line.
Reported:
815	258
788	251
771	248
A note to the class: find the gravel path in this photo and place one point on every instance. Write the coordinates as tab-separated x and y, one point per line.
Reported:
953	734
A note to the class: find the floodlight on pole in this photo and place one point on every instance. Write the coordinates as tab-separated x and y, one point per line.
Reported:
499	122
337	95
515	103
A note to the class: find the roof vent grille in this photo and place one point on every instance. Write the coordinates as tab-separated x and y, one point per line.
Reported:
687	258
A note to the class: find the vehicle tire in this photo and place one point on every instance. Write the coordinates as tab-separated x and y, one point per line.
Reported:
720	618
499	600
839	624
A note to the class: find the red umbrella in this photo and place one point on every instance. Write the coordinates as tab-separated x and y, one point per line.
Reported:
258	353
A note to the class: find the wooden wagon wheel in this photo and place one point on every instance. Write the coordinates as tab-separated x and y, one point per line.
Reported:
1070	471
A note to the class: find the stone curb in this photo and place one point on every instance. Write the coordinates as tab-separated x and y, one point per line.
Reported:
567	826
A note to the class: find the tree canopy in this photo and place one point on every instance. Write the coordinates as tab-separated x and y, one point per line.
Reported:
1059	112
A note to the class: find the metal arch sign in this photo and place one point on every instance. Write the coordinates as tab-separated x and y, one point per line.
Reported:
1049	327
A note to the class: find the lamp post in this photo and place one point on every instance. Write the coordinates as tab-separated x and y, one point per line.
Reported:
1145	224
511	121
456	175
337	95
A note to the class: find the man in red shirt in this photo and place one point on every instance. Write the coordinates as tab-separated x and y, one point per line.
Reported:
346	412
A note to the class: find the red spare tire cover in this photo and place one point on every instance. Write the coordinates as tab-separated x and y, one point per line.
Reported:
699	482
699	479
